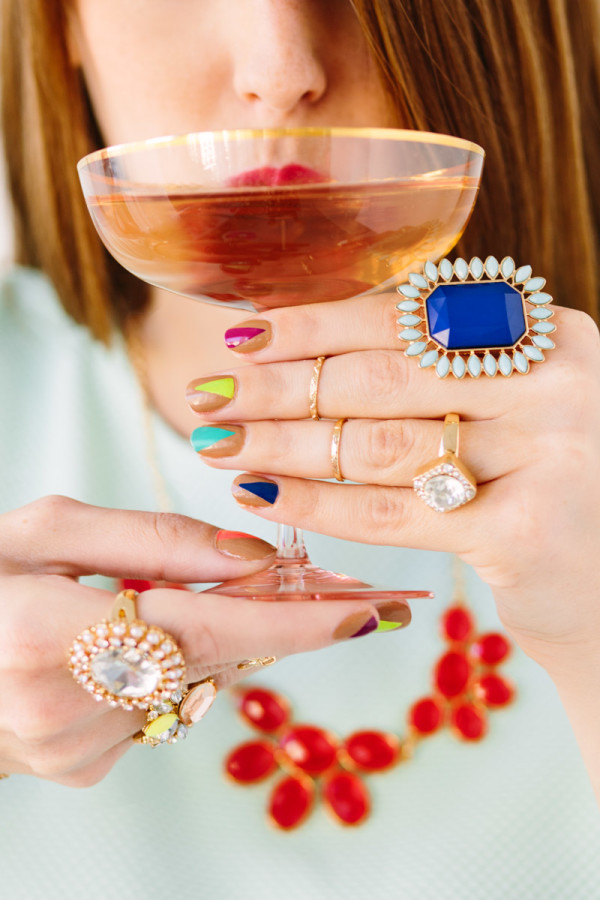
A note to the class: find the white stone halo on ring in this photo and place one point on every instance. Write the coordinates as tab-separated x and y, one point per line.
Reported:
445	483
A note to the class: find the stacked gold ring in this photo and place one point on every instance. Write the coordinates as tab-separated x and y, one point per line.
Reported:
336	438
313	389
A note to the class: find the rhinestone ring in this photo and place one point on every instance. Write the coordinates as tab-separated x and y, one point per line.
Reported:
476	318
446	483
126	661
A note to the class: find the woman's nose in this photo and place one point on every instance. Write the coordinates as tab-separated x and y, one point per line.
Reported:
278	64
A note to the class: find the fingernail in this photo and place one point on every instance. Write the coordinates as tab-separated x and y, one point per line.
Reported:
242	546
252	335
207	394
253	490
355	625
218	440
393	615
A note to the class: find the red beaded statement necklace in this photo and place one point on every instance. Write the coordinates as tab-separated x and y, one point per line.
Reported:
315	766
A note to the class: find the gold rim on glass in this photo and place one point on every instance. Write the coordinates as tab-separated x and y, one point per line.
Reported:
392	134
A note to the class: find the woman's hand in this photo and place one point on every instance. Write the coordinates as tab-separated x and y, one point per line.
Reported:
533	443
49	726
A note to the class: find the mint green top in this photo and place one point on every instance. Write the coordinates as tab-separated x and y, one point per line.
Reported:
510	817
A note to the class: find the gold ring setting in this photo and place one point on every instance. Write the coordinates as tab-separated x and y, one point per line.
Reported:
476	318
445	483
126	661
336	438
259	661
313	389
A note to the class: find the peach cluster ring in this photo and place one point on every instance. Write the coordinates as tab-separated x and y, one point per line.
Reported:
170	720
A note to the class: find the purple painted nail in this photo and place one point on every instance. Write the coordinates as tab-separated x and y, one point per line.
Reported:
367	628
355	625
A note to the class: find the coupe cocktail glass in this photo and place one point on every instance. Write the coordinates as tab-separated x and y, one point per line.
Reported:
259	219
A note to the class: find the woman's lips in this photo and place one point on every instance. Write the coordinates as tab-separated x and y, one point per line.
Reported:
268	176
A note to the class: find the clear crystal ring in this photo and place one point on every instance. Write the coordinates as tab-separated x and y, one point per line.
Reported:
446	483
467	319
126	661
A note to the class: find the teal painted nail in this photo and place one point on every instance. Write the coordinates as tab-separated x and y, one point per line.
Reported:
207	435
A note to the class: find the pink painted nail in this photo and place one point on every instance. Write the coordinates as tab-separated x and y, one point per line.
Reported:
251	336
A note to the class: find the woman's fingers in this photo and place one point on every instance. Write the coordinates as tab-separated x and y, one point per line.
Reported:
374	451
362	383
215	629
375	383
335	327
86	775
57	535
395	516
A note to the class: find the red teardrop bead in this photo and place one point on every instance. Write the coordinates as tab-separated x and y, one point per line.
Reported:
425	716
263	709
311	749
347	797
452	673
291	801
252	761
493	690
490	649
457	624
469	721
372	750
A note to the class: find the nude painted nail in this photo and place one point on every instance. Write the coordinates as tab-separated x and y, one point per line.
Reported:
208	394
218	440
355	625
393	615
250	336
254	490
242	546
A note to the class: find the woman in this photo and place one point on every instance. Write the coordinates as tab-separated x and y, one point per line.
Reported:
521	80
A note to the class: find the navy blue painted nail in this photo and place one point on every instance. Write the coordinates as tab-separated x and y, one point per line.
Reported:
253	490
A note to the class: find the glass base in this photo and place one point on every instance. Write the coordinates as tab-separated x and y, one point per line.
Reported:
299	579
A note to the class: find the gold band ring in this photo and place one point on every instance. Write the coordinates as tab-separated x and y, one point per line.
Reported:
445	483
313	389
3	775
261	661
336	437
126	661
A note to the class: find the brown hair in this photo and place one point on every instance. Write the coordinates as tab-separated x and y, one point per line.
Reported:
519	77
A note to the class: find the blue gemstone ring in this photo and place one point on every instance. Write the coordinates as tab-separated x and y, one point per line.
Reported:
474	318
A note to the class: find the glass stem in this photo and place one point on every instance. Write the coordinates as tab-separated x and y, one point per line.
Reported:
290	544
